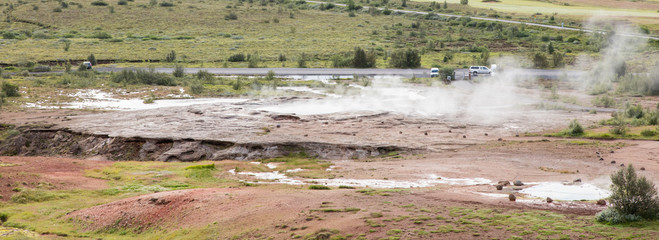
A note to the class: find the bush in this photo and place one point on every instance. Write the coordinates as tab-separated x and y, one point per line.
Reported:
166	4
171	56
140	76
179	71
102	35
3	217
611	216
575	129
409	58
237	58
619	125
10	90
41	68
122	2
231	16
92	59
634	111
633	195
648	133
196	88
363	59
99	3
464	2
204	76
604	101
540	60
319	187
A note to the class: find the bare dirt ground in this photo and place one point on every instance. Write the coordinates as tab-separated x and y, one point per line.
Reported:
52	173
446	146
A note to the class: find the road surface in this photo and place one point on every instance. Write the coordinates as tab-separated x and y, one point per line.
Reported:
349	72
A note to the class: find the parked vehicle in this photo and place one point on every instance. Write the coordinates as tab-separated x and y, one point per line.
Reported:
475	70
434	72
87	64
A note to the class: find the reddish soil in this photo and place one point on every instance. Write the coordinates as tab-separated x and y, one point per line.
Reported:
47	172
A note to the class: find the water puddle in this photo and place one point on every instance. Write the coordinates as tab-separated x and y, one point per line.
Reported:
96	99
429	180
567	192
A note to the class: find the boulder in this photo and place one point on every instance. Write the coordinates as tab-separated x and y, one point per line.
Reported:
601	202
518	183
549	200
499	187
504	183
512	197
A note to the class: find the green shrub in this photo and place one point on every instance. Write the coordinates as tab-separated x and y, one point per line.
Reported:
339	61
35	195
612	216
101	35
205	76
253	60
540	60
319	187
171	56
575	129
196	88
409	58
270	76
140	76
179	71
3	217
166	4
604	101
648	133
231	16
633	195
99	3
92	59
634	111
10	90
363	59
41	68
237	58
122	2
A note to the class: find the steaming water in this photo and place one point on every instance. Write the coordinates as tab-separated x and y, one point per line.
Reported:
560	191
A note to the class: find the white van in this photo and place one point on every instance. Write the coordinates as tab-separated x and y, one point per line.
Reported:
475	70
434	72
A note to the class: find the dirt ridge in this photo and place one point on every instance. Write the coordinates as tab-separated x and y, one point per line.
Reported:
36	141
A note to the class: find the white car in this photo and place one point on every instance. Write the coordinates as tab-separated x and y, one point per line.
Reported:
434	72
479	70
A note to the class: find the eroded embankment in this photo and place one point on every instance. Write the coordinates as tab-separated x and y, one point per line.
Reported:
30	141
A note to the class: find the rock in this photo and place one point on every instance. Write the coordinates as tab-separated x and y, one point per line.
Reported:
512	197
485	134
425	133
612	151
449	130
400	132
516	135
278	126
577	180
613	162
285	118
464	136
306	135
601	159
518	183
499	187
517	188
642	168
601	202
622	164
549	200
503	183
500	139
195	111
598	153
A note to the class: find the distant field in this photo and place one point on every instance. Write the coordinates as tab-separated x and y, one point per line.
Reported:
208	33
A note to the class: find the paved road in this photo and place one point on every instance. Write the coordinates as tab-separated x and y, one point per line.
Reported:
544	73
504	21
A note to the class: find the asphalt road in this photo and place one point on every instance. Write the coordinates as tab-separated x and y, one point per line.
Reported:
504	21
543	73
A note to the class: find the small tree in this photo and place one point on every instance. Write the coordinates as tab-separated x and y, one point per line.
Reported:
363	59
302	61
10	90
575	129
445	5
409	58
179	71
404	4
92	59
557	58
351	5
550	48
631	194
464	2
171	56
